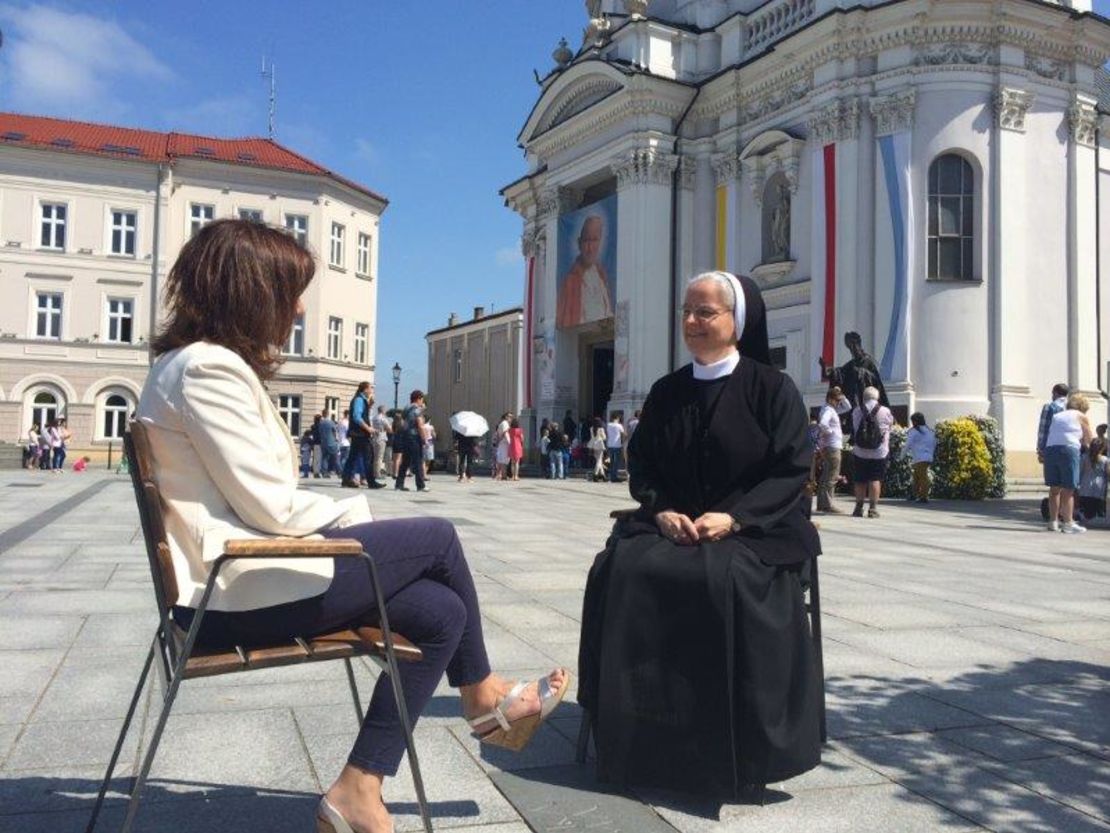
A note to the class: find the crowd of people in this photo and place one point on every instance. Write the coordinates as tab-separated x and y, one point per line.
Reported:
45	449
1074	459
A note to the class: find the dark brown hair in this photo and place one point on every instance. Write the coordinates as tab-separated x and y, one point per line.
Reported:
236	284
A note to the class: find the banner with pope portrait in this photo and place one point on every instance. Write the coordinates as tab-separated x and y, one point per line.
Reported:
587	286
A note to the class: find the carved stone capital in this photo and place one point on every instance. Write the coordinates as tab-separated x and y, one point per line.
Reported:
726	167
687	172
1083	122
1010	107
557	200
533	241
645	166
755	175
893	113
835	122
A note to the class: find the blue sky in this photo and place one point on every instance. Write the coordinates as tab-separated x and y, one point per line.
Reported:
421	101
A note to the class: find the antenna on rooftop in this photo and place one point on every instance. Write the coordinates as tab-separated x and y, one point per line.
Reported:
269	71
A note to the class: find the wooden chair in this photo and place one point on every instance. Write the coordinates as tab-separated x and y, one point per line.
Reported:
179	659
813	608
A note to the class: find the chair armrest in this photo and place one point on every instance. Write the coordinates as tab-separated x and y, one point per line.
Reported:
623	514
292	548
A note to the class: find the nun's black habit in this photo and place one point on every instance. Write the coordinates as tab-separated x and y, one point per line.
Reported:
696	663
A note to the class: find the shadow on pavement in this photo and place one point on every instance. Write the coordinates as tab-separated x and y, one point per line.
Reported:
61	805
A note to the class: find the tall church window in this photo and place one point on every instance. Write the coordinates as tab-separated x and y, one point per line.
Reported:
951	245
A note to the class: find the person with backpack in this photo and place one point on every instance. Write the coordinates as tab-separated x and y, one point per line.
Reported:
871	424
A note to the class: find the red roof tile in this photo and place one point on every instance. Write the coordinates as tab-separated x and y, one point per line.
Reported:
153	146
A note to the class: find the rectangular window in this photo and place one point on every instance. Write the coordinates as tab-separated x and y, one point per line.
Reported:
120	319
458	365
48	315
363	254
53	226
199	216
362	338
295	345
297	225
338	235
124	224
289	406
251	214
331	407
335	337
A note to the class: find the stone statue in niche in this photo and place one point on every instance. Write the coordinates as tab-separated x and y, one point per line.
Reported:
776	220
780	225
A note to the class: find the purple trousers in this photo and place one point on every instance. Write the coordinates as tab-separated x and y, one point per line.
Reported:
430	598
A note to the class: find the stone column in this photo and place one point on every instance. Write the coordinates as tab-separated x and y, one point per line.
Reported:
1009	338
1082	120
644	181
532	245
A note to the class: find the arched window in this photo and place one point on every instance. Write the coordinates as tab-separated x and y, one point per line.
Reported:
44	407
951	218
115	416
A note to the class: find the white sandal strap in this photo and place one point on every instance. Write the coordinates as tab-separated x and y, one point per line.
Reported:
498	712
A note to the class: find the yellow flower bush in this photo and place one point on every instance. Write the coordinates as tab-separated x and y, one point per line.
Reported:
962	465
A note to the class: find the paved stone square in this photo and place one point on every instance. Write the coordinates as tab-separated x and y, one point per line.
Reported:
967	655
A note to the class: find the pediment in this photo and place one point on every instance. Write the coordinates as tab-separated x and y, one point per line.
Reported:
573	93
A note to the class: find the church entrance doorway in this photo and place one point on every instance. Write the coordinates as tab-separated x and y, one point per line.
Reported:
599	386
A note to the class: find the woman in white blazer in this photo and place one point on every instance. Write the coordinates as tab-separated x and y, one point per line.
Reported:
225	466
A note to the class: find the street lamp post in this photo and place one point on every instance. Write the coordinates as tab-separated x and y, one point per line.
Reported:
396	382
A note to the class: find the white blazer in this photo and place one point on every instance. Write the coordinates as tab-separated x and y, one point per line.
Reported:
224	462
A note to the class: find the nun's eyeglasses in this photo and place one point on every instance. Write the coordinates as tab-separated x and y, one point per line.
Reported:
703	315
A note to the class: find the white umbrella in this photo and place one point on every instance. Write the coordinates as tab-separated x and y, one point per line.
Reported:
469	424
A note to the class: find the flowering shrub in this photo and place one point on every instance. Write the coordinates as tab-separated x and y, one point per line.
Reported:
899	473
988	427
962	466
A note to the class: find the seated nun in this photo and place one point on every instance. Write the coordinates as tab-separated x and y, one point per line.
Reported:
697	666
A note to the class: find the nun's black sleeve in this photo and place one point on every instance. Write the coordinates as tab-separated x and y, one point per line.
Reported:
787	462
646	482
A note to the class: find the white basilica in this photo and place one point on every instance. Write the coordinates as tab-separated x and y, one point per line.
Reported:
926	174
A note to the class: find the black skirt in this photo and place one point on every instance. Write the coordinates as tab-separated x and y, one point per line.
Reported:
697	666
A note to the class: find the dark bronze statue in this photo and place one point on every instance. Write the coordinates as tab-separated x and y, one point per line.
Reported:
857	373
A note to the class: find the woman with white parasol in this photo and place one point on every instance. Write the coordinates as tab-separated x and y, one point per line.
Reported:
467	427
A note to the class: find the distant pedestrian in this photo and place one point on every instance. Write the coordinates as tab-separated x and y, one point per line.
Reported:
383	427
306	452
465	447
45	449
921	446
596	445
1054	406
428	448
501	447
570	427
830	444
516	448
341	428
556	447
1068	432
32	451
60	442
871	424
360	432
632	423
82	464
397	440
1092	481
411	445
327	438
614	442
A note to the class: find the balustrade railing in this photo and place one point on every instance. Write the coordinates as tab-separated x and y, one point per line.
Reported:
775	20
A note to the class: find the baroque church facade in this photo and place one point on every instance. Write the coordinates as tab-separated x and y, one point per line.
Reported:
926	174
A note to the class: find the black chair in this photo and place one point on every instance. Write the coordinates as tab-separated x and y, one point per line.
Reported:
813	608
179	659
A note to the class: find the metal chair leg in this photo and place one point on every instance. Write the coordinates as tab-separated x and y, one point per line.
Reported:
583	739
171	695
399	696
122	735
354	690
